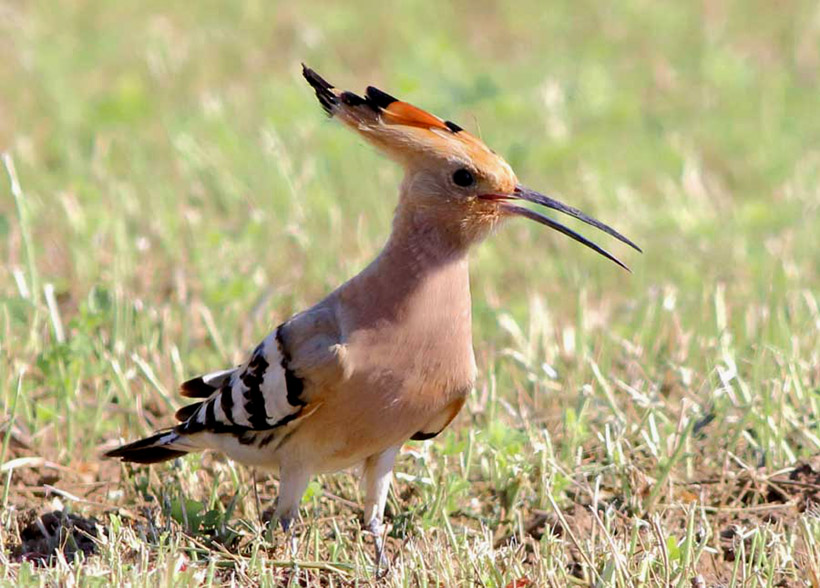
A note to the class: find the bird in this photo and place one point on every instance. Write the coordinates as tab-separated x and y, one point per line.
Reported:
385	358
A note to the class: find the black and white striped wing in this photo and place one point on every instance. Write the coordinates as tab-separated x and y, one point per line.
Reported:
258	396
282	382
243	411
246	411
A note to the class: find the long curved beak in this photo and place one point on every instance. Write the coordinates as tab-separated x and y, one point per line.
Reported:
522	193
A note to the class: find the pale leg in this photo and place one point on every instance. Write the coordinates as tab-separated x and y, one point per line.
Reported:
378	472
292	485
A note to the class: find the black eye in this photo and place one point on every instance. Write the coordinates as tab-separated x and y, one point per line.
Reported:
463	177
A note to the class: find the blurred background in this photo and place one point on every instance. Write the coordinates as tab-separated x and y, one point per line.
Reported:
187	128
181	193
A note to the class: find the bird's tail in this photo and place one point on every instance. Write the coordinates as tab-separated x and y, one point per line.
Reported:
159	447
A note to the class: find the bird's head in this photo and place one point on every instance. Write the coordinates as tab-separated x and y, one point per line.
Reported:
451	177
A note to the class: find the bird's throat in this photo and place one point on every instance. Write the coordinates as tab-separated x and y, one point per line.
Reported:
423	240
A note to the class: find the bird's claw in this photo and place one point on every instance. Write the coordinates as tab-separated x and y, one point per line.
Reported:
289	528
376	529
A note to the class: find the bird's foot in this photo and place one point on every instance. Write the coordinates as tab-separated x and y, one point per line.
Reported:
290	530
268	520
377	529
271	520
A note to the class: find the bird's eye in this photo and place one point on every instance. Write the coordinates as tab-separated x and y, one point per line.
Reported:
463	177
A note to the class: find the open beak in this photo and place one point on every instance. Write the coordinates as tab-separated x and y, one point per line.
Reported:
522	193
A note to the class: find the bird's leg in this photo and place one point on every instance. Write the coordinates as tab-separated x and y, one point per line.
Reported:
258	502
290	529
378	471
292	485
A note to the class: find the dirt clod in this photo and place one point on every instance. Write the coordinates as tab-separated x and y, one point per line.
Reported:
55	532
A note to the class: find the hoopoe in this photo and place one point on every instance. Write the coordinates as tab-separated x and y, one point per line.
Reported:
388	356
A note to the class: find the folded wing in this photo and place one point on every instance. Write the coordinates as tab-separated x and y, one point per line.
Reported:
245	410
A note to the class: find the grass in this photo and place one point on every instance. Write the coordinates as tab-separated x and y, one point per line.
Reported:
170	192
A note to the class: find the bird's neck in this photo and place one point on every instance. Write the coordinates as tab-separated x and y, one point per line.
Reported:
420	275
423	241
411	309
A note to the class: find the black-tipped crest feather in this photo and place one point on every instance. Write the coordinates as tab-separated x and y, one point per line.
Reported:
330	98
324	91
379	99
